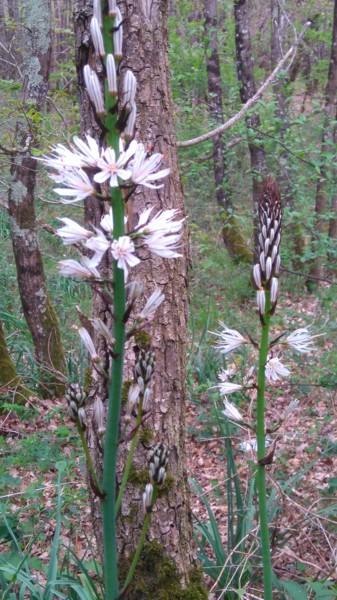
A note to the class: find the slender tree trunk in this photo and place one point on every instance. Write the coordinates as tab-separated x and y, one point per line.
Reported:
215	100
280	88
323	190
245	72
38	311
232	236
11	385
170	534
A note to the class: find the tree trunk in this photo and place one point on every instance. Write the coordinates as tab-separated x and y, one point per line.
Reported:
323	189
38	311
170	534
11	383
245	72
232	236
280	88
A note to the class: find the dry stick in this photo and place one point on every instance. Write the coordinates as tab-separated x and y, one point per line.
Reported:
252	101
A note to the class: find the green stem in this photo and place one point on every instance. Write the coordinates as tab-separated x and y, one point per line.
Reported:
141	540
115	390
89	461
112	429
261	444
130	459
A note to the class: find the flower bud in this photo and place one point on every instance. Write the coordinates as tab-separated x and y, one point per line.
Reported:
118	35
147	498
97	38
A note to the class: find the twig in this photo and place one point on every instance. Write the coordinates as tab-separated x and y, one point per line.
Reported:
252	101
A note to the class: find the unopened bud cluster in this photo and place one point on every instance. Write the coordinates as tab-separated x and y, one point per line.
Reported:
146	360
158	462
111	59
76	400
266	271
140	392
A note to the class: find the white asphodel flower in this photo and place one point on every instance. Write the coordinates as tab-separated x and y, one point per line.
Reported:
77	185
85	269
89	153
123	250
72	232
252	445
162	222
231	412
275	369
301	340
102	329
229	339
163	245
152	304
107	222
62	159
144	167
88	344
99	244
111	169
226	387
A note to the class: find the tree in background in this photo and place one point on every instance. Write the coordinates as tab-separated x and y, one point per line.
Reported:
245	73
232	236
39	313
325	196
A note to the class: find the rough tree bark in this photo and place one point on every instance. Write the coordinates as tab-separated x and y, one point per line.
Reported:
245	72
145	52
38	311
323	190
232	236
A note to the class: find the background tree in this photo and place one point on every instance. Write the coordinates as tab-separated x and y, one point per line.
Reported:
39	313
245	73
232	236
327	163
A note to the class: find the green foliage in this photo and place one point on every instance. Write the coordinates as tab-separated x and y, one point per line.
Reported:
16	576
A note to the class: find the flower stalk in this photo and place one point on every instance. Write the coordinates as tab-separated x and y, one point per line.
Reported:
261	446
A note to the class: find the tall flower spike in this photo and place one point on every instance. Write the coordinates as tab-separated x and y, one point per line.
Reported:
265	273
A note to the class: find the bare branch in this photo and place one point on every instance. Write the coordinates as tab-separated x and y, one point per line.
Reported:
252	101
231	144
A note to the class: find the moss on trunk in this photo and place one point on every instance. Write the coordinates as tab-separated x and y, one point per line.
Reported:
157	576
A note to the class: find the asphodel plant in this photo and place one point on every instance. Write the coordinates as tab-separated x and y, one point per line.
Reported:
270	368
111	172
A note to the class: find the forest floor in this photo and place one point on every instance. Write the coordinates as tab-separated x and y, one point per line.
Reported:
305	533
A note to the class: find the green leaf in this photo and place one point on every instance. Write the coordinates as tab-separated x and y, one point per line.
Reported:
295	590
